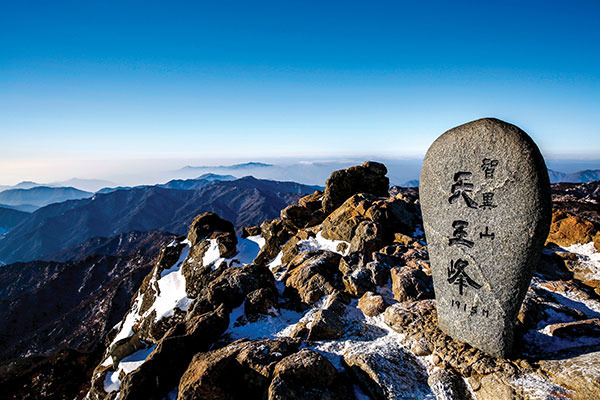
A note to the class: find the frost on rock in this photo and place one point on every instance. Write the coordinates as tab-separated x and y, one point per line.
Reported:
589	259
536	388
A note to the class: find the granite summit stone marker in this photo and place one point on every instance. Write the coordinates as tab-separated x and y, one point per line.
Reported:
485	199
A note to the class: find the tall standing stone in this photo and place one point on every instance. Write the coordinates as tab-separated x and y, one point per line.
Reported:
485	199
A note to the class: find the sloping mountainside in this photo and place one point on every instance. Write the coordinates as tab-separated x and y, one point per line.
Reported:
46	306
10	218
332	300
41	196
587	175
49	230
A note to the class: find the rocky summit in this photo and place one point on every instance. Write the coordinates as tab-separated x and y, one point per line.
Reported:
335	300
485	197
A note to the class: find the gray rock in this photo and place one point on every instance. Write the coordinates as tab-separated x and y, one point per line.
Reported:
485	198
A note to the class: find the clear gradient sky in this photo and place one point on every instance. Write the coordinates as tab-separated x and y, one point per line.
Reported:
122	80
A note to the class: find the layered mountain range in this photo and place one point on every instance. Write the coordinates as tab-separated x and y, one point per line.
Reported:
58	226
329	296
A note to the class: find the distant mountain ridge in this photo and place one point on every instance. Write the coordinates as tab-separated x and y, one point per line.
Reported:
87	185
10	218
246	202
588	175
41	196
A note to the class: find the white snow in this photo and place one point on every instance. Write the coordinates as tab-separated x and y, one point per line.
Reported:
320	243
212	254
248	248
112	382
108	362
171	294
589	258
131	319
258	239
127	365
276	262
171	289
133	361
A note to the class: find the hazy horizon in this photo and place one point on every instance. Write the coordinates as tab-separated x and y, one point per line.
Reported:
88	90
156	171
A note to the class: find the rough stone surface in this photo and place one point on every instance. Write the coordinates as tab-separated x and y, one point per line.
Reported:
568	229
485	177
372	304
205	224
410	284
366	178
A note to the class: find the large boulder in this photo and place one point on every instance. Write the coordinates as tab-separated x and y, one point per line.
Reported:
391	216
409	284
163	368
206	224
232	287
359	275
308	375
568	229
243	369
372	304
368	237
312	275
276	234
366	178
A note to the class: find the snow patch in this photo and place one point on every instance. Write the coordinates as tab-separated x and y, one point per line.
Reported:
320	243
258	239
212	254
171	294
248	248
589	258
171	289
112	382
133	361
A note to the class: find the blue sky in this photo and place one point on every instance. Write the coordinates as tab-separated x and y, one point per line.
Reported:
89	81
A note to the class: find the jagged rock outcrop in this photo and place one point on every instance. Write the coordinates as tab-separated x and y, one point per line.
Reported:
338	304
568	229
366	178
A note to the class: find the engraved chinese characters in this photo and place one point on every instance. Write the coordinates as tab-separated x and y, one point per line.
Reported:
485	199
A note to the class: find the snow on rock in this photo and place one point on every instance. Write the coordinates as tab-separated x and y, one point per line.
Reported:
537	388
133	361
212	254
366	338
247	250
171	293
132	318
589	259
541	339
265	327
320	243
112	382
258	239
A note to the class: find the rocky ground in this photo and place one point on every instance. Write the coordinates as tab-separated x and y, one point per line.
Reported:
334	300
